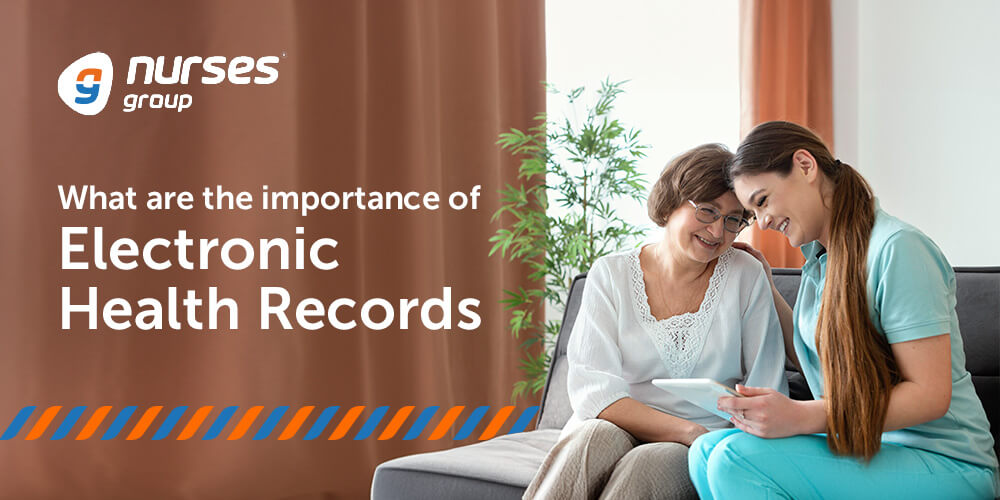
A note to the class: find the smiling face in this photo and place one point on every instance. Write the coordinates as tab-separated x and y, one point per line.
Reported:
791	204
697	240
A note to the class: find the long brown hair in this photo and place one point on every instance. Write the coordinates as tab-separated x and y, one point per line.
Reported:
859	370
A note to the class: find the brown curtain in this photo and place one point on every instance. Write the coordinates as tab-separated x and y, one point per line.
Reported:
786	65
383	95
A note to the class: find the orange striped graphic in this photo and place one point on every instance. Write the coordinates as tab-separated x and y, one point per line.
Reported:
144	423
94	422
496	423
449	418
346	423
297	420
43	423
241	428
245	423
395	423
195	422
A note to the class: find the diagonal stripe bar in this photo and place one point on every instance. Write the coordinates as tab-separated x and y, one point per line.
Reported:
418	426
195	422
496	423
119	423
245	423
372	423
396	422
320	424
43	423
346	423
296	423
220	423
523	420
471	422
95	421
297	420
68	423
169	423
445	423
144	422
17	423
270	423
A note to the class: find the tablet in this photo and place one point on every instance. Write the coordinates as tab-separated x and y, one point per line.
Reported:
703	392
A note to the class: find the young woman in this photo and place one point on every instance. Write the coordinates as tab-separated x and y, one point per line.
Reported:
876	336
687	306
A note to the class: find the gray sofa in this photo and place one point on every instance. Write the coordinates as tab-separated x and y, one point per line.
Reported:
502	467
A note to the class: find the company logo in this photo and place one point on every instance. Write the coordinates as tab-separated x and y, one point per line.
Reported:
85	85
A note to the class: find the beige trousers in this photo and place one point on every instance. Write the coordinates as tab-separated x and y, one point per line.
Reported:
601	460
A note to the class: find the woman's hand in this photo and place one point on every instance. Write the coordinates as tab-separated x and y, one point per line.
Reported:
746	247
650	425
692	434
770	414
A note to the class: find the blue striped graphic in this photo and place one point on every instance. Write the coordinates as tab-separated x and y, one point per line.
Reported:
471	422
524	419
119	423
372	422
18	422
418	426
68	423
320	424
220	423
272	420
169	423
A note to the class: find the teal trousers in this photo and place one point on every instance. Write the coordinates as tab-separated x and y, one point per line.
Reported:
731	464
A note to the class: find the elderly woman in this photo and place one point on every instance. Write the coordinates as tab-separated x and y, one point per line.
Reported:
688	306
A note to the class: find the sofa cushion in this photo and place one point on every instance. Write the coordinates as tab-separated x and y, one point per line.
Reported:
496	469
787	283
555	409
978	307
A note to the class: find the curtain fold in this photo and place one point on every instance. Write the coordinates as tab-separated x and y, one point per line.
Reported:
786	64
388	95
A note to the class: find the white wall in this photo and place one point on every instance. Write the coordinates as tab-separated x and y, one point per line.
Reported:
917	111
682	60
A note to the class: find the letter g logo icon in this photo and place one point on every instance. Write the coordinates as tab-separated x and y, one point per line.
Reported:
85	85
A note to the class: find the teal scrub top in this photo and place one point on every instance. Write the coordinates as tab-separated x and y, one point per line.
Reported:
911	295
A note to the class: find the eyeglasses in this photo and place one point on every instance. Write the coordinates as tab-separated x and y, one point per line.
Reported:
708	215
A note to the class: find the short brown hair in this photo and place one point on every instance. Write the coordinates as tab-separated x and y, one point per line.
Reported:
699	174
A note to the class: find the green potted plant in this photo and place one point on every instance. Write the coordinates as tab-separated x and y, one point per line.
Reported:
559	219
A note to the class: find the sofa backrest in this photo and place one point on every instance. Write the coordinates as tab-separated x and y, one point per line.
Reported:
555	410
978	307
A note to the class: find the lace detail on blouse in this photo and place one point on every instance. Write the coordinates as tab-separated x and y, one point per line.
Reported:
679	339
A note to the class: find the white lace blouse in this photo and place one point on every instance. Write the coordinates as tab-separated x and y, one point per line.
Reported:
618	347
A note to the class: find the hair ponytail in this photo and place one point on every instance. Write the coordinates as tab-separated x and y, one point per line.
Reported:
859	370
